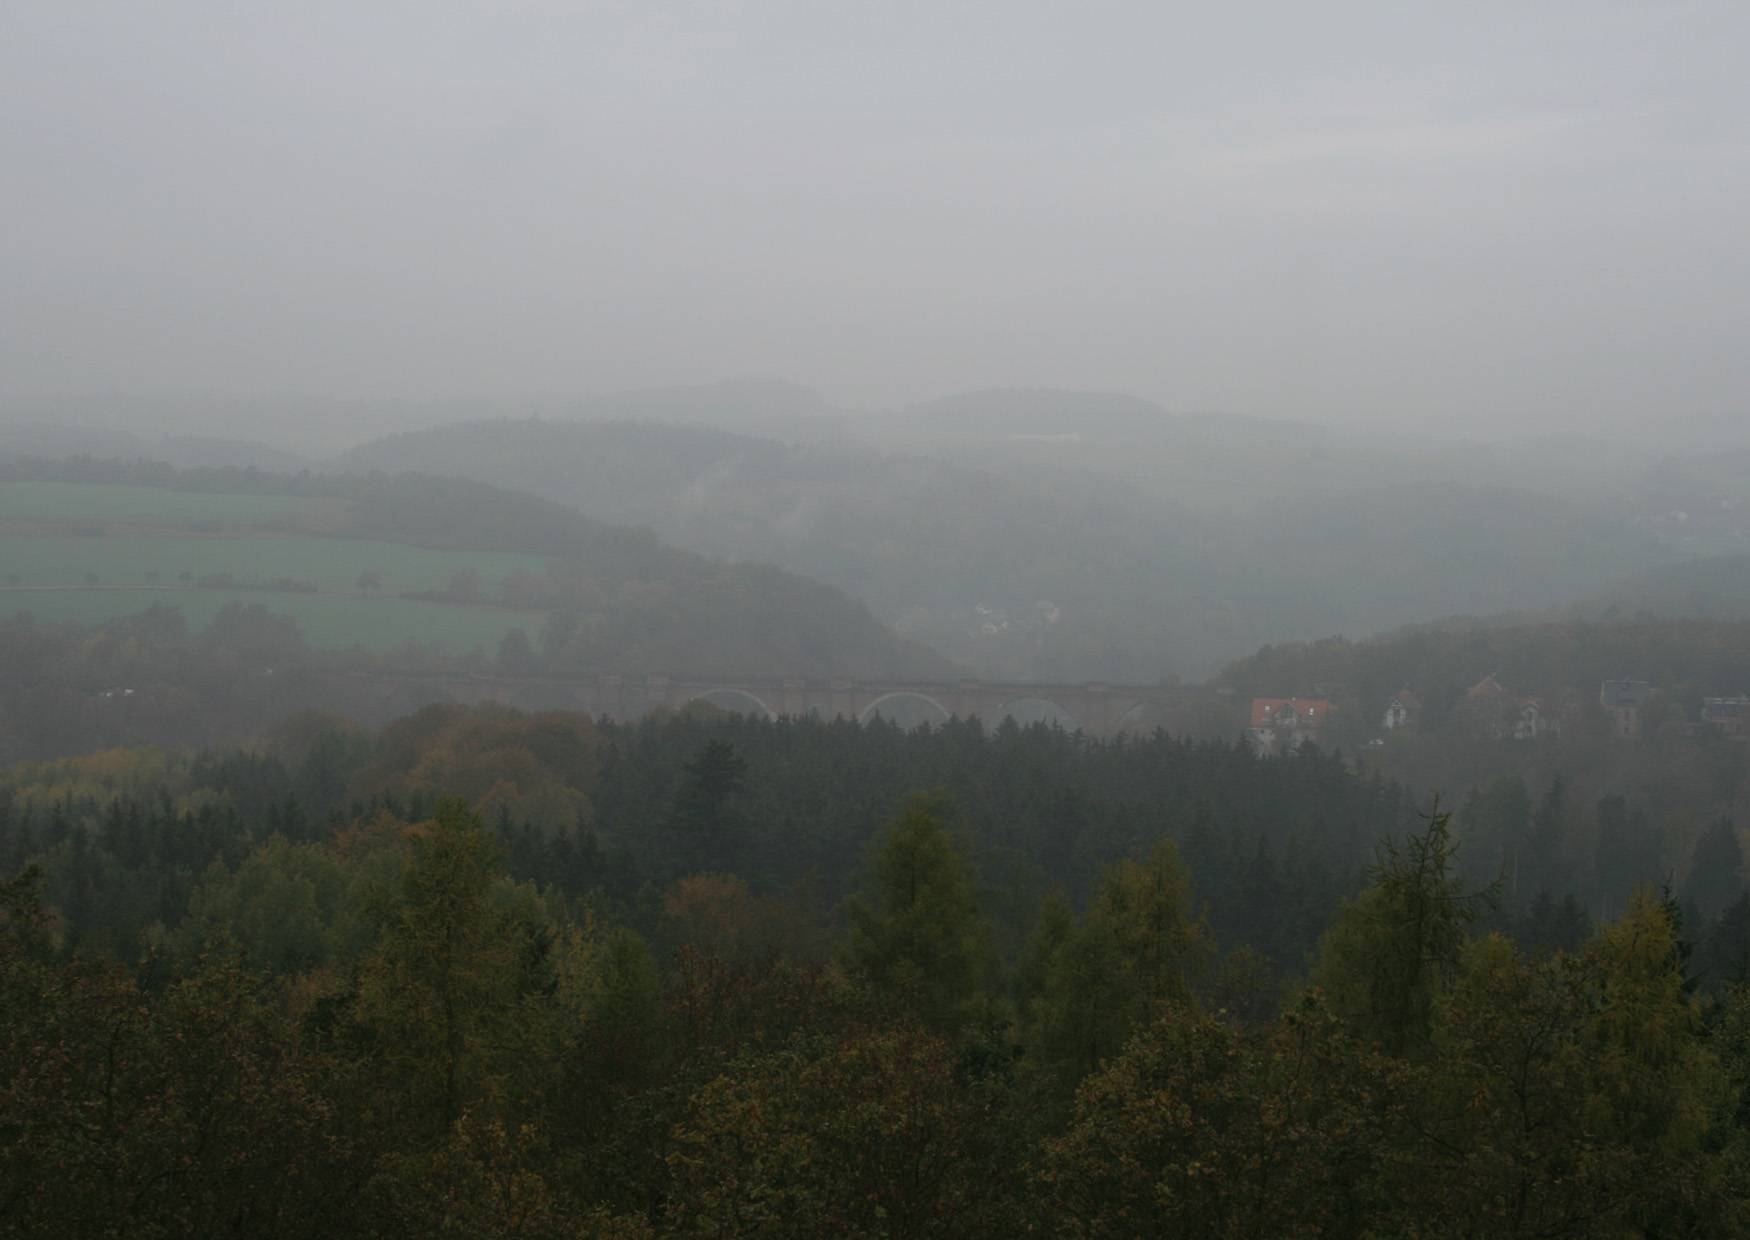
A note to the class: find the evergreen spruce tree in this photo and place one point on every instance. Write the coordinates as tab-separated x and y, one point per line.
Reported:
1716	874
1540	861
439	992
707	812
1395	948
1134	952
918	940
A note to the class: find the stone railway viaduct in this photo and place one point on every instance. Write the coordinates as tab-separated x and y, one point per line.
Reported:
1097	709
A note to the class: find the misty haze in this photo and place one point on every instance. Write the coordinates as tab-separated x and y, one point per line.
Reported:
762	619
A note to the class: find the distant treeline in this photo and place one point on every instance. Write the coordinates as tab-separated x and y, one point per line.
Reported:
613	813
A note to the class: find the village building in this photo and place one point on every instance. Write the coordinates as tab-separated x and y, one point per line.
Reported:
1401	711
1501	714
1282	725
1623	700
1727	715
1486	691
1533	718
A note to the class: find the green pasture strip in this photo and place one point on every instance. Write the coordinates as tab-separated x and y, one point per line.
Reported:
326	622
332	565
107	501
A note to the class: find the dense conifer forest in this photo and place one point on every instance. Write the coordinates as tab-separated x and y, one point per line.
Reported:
489	973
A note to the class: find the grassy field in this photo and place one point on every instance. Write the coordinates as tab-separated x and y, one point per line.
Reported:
332	565
90	552
327	622
99	502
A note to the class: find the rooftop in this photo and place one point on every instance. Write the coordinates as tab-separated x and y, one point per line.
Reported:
1613	693
1268	712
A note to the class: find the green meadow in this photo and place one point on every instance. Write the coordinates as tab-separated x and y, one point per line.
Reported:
332	565
326	621
110	550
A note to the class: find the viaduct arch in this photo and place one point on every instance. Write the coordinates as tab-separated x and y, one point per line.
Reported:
904	695
1035	709
716	697
1096	709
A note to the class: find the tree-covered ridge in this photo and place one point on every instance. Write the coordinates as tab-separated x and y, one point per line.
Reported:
370	1010
1074	536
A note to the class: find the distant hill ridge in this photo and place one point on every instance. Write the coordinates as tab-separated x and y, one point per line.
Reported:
1063	534
968	524
1040	411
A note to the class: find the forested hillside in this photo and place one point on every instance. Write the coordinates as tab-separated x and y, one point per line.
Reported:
499	974
1053	535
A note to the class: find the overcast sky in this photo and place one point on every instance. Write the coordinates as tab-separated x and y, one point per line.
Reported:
1516	216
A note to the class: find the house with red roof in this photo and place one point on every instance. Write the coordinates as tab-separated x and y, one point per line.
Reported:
1282	725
